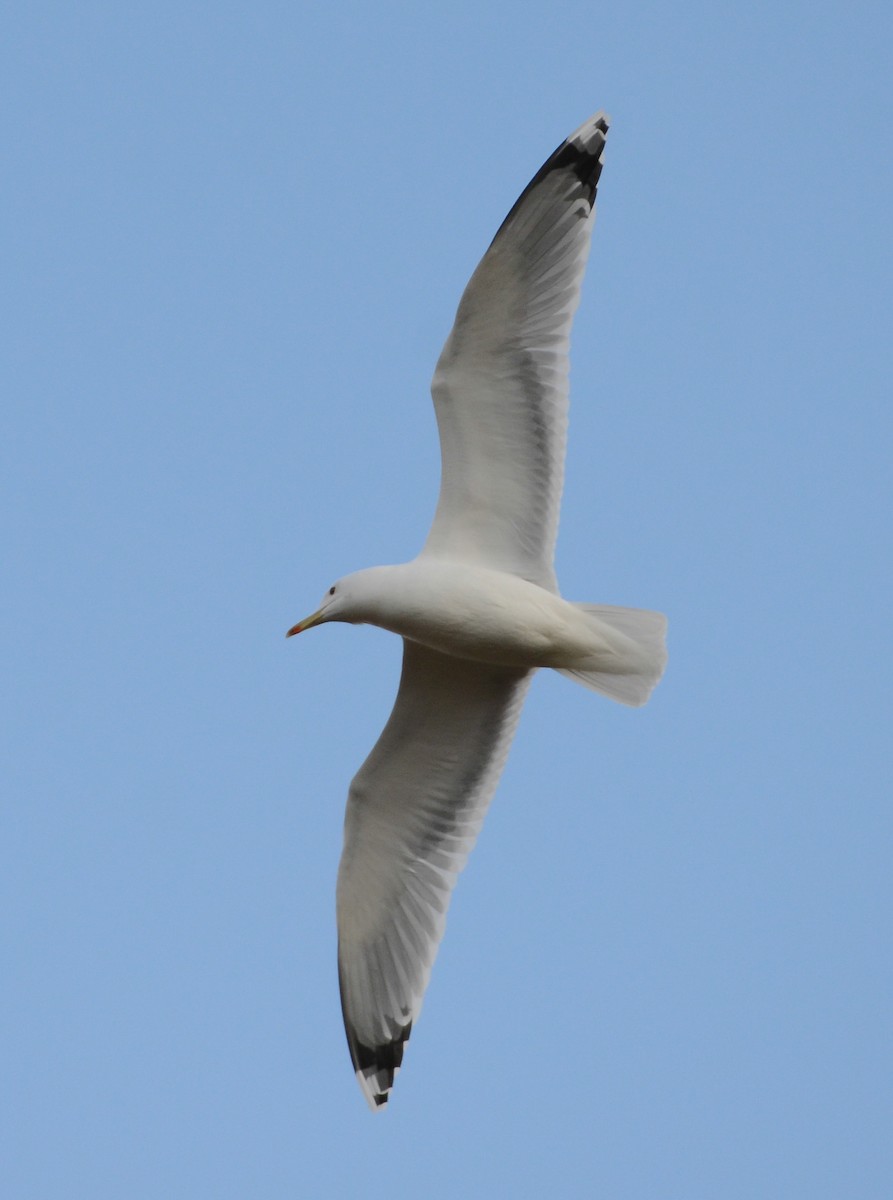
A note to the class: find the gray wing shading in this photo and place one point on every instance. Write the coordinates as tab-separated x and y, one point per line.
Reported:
501	384
413	814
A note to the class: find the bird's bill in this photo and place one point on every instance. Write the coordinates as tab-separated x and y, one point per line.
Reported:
307	623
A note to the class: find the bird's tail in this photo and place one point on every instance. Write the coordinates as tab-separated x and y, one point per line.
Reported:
631	673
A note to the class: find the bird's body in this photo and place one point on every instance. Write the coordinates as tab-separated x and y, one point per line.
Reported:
482	615
478	610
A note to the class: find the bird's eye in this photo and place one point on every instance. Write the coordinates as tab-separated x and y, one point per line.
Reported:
332	590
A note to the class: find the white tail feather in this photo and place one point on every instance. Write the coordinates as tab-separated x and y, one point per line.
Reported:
642	657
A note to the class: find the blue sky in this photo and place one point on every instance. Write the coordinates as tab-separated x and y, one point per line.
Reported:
234	239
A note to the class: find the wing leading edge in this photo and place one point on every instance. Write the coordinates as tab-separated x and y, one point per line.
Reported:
414	811
501	385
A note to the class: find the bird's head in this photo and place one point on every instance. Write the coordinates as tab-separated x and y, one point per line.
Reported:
331	609
351	599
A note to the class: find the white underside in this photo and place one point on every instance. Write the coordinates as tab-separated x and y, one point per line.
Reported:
493	617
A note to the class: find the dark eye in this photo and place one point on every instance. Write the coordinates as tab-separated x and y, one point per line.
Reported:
332	590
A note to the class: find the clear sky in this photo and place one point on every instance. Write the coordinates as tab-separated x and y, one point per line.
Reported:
234	238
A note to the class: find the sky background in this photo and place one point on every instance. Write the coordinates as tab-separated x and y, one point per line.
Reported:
234	238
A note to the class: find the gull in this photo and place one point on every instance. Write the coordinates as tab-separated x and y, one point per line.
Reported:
479	609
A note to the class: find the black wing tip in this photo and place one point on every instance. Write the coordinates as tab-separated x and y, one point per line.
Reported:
376	1066
581	153
585	150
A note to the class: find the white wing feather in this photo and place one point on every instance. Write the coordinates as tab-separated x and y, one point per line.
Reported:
501	384
413	814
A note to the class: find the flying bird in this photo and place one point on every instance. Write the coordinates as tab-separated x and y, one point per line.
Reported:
479	609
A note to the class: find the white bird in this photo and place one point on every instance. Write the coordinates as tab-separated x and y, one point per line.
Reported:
478	610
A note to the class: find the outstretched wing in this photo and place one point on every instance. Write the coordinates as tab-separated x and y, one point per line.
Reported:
501	385
413	814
